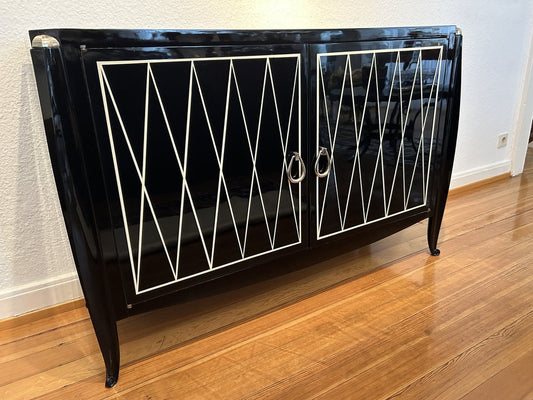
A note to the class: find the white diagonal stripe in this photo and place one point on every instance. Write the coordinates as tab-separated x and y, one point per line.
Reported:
439	63
213	142
220	159
145	139
253	154
332	161
400	151
326	112
117	176
183	168
422	139
254	157
183	182
221	164
373	68
365	209
332	141
357	158
132	154
419	65
297	79
404	126
386	209
284	144
405	111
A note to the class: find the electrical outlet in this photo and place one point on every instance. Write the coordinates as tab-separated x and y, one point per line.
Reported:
502	140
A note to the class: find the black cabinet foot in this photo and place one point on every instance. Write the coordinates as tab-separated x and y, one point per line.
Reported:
111	380
433	233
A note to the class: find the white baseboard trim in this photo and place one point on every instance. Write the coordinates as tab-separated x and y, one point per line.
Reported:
479	174
40	295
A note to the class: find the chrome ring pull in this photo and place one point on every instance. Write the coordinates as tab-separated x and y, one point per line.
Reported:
301	168
322	151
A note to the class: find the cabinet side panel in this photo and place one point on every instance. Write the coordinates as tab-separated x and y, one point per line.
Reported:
75	202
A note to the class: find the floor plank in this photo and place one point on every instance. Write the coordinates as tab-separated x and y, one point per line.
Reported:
513	382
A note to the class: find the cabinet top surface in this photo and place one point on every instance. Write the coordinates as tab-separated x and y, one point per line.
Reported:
169	37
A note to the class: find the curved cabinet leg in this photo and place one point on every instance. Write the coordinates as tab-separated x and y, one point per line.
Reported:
433	234
448	145
106	333
104	323
103	320
111	354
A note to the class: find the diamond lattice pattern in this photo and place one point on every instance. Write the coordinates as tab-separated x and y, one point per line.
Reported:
199	150
376	116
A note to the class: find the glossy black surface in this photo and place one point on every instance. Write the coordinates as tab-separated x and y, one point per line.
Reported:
207	123
164	37
378	107
447	142
226	119
76	202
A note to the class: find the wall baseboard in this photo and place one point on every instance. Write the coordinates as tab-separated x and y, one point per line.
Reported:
40	295
481	173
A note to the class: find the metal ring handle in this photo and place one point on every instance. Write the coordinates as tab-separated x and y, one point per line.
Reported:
301	168
322	151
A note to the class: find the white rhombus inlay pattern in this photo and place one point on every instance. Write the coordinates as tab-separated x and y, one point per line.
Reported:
285	128
407	91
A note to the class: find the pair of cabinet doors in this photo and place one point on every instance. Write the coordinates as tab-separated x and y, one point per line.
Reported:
216	155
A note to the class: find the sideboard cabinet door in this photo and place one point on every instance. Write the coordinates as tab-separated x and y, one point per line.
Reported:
377	107
195	144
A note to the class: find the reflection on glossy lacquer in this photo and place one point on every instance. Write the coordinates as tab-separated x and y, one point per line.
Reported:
376	117
200	149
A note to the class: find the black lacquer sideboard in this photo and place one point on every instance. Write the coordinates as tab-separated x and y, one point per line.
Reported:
184	156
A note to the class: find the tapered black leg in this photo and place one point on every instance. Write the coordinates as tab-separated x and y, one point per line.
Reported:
433	234
102	317
105	328
444	167
109	346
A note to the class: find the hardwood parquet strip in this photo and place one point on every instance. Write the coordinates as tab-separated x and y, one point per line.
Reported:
512	382
475	365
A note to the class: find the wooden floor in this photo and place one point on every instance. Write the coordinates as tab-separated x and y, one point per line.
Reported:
385	321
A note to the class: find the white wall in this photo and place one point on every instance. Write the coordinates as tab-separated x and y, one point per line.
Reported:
36	267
